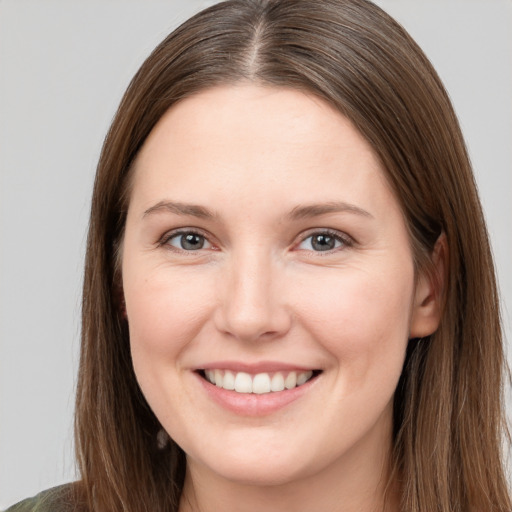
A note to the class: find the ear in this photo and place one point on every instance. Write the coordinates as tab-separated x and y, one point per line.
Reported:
429	294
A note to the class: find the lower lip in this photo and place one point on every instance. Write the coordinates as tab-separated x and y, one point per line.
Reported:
252	404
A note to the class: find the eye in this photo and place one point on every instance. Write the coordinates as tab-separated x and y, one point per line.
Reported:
323	241
188	241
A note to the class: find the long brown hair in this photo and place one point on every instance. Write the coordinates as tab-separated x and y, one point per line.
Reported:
448	416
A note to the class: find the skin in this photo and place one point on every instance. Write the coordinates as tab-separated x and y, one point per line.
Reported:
259	290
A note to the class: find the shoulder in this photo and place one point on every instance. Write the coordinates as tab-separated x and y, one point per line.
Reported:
57	499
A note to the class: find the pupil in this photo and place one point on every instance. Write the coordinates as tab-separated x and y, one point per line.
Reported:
323	242
192	242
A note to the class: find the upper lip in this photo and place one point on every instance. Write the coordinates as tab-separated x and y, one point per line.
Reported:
257	367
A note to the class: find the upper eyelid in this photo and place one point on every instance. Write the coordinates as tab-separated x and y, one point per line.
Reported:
332	232
180	231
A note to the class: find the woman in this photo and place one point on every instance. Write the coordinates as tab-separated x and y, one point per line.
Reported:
289	299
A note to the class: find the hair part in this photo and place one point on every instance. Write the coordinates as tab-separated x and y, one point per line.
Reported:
448	415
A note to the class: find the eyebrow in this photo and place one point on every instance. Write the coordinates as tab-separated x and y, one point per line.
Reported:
297	213
193	210
316	210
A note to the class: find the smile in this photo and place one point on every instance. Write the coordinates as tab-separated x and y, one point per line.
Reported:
260	383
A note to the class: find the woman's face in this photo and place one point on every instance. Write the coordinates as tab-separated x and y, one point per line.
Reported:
265	250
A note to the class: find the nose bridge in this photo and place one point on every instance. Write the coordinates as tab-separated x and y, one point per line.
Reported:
251	307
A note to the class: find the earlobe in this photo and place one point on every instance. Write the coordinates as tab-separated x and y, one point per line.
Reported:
429	293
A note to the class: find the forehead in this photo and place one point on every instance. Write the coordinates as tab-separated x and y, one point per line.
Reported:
256	140
260	116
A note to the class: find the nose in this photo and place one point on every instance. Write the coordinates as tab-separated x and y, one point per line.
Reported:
251	305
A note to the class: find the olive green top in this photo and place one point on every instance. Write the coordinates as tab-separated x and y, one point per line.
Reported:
57	499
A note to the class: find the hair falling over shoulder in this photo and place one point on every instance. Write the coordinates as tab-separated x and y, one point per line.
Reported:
449	424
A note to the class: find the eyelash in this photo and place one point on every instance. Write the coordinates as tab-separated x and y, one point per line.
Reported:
345	240
164	241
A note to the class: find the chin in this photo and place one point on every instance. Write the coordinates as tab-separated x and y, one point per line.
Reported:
265	473
260	464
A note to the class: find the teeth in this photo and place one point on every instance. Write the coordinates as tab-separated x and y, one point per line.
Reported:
303	377
229	380
291	380
277	382
243	383
262	383
219	381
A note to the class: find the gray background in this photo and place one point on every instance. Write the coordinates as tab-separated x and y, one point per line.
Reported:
63	68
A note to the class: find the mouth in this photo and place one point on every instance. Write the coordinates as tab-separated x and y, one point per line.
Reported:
259	383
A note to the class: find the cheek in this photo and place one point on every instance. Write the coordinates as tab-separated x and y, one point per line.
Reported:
361	319
166	309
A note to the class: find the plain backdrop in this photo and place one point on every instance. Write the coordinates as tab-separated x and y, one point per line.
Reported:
63	68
